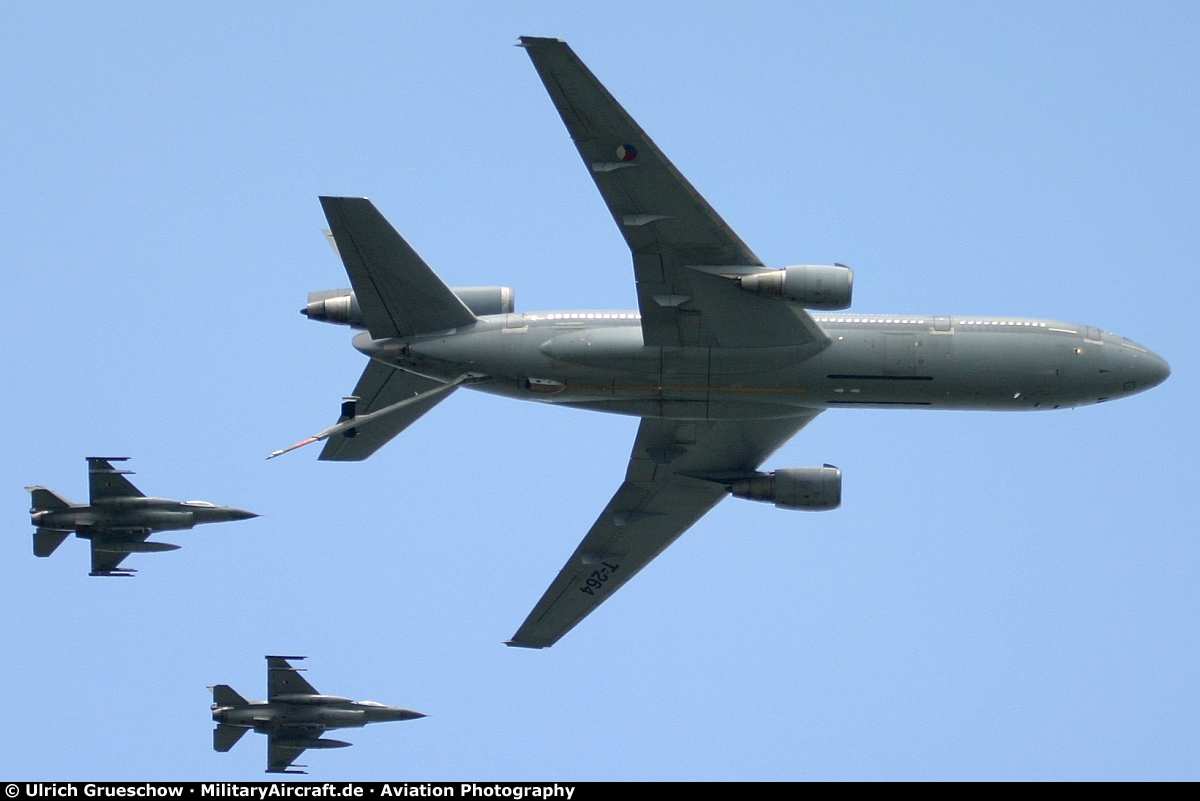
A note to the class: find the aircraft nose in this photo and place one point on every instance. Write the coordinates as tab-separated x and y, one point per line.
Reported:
1154	370
1141	368
399	713
230	513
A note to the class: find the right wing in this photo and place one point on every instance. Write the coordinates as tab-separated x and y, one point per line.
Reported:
106	481
681	247
379	387
674	477
283	679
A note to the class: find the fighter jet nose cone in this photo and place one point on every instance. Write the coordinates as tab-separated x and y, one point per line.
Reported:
304	311
241	514
398	713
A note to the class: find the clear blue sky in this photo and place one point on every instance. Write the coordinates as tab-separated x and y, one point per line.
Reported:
1002	596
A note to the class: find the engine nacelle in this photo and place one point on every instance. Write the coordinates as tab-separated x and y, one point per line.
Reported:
813	286
340	306
484	300
810	488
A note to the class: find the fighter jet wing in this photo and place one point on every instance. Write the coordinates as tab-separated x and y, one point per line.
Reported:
106	481
379	387
284	746
682	249
675	475
283	679
107	554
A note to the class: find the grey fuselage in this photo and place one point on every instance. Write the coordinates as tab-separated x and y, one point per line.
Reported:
135	514
316	711
596	360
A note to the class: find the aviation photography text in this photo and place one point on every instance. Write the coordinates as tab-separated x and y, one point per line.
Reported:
263	790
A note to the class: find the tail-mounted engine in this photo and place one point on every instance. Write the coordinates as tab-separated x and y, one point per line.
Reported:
340	306
810	488
813	286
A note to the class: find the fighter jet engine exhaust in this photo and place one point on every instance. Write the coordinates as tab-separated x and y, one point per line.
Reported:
814	489
813	286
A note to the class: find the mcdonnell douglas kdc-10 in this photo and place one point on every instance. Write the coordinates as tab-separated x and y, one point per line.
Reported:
724	360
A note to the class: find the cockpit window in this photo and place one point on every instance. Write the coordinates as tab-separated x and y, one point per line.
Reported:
199	503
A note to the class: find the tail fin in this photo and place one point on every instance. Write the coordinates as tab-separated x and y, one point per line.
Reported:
226	736
398	293
47	540
43	499
224	695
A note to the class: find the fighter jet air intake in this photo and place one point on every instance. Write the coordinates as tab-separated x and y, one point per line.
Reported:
293	717
117	519
723	361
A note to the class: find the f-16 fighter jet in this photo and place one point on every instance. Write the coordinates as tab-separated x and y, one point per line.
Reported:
723	360
118	519
293	717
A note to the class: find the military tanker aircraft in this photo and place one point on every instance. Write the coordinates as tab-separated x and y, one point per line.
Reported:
724	359
118	518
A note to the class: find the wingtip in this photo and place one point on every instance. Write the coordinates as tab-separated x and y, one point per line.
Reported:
531	646
532	41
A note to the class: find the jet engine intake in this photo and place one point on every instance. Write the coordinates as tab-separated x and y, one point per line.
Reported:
340	306
813	286
809	488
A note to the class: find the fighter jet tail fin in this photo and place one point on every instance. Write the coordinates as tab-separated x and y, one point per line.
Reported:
226	736
43	499
399	294
224	695
46	540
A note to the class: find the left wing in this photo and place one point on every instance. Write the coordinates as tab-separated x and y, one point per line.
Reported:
108	552
676	474
284	746
106	481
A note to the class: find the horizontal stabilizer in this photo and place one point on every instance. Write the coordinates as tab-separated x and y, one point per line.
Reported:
226	736
399	294
46	540
42	499
224	695
379	387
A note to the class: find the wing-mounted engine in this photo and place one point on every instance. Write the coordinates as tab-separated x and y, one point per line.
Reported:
813	286
340	306
809	488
